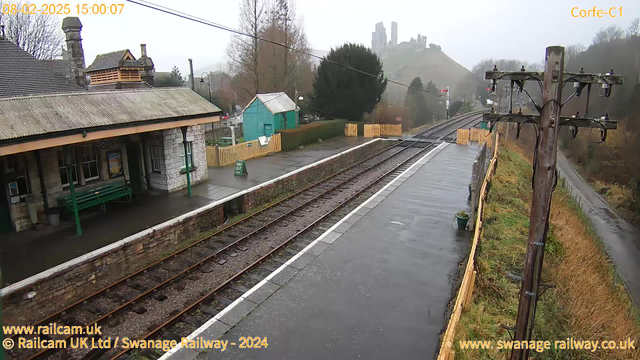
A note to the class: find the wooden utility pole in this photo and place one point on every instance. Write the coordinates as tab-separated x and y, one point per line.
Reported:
547	126
543	179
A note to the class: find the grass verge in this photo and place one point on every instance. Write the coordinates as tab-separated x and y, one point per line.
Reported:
587	303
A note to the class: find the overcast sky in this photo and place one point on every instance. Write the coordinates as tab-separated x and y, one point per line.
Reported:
468	31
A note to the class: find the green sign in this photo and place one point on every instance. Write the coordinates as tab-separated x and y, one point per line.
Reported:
241	168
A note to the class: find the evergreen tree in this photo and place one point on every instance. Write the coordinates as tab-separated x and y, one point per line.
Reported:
339	92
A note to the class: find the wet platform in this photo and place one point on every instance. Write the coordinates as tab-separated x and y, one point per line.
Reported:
376	285
30	252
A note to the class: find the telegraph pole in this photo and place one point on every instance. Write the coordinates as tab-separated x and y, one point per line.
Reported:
547	126
543	183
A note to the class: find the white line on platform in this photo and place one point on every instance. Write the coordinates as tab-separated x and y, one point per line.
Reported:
121	243
219	315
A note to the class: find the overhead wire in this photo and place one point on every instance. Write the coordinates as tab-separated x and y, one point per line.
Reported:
186	16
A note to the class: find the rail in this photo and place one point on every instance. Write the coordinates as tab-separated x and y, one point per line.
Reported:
465	292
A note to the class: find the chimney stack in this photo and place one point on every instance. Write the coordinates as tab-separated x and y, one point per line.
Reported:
149	71
72	28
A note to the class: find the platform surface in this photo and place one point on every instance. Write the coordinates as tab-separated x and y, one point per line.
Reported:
376	286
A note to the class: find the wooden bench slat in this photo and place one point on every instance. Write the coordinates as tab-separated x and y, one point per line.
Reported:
96	196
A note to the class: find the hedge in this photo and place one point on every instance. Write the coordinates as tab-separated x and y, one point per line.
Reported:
310	133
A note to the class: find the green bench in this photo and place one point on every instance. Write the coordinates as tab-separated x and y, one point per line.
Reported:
96	196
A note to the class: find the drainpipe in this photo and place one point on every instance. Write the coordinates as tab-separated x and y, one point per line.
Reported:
186	158
68	159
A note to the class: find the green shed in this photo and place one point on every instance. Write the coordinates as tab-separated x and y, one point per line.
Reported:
267	113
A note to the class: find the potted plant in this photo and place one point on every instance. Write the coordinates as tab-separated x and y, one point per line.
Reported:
462	218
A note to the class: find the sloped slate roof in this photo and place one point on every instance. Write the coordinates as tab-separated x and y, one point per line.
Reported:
38	115
112	60
276	102
59	66
21	74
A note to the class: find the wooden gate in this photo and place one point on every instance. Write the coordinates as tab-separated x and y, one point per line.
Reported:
350	129
217	156
372	130
463	136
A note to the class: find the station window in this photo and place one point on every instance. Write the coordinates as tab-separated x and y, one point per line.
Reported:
189	153
64	175
89	163
17	179
157	158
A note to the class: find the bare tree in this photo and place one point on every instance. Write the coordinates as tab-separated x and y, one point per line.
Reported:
609	34
243	52
289	66
634	28
571	52
38	34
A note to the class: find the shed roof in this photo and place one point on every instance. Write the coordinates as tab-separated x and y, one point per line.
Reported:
113	60
38	115
276	102
21	74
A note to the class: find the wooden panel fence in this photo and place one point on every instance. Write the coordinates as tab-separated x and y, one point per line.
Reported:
350	129
462	137
464	296
481	136
390	130
222	156
372	130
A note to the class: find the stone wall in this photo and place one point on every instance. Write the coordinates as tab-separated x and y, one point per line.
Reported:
172	175
98	269
174	162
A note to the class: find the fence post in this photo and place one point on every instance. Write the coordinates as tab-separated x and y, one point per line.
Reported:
468	297
216	155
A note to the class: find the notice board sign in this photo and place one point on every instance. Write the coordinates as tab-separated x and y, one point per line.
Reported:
114	163
241	168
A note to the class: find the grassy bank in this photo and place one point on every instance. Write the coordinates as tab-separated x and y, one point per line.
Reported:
586	305
621	198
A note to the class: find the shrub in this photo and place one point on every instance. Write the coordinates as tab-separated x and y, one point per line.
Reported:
306	134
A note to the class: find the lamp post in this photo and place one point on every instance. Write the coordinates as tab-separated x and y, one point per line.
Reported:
301	98
297	112
208	81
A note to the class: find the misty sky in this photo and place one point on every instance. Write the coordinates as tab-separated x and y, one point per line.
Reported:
468	31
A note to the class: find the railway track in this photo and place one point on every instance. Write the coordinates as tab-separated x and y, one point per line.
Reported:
183	290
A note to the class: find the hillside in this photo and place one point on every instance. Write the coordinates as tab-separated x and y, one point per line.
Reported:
430	65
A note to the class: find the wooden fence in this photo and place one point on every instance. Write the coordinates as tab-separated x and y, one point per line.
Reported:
372	130
350	129
222	156
464	296
481	136
390	130
462	137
